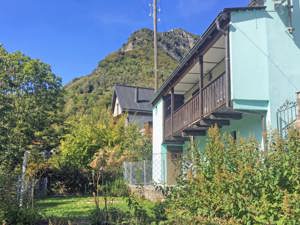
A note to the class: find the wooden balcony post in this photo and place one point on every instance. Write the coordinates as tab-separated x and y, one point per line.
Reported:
201	84
172	109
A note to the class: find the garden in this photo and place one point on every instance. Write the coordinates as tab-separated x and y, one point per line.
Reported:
57	169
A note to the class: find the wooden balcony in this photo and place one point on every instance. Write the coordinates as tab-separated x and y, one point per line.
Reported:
211	98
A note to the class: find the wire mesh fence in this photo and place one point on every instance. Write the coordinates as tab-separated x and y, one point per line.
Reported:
138	173
164	168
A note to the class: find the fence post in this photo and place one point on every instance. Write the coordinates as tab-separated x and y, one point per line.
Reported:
298	111
145	173
130	172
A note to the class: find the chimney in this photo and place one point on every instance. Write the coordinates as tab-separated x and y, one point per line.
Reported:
136	94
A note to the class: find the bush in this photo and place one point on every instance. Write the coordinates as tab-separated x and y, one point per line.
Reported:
136	214
118	188
8	181
236	183
112	216
69	180
22	216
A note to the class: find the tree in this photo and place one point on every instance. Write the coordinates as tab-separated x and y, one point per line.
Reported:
107	160
86	134
90	134
31	100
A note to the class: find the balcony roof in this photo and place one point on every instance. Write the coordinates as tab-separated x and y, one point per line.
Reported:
212	31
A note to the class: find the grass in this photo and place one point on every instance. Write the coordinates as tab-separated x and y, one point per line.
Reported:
79	208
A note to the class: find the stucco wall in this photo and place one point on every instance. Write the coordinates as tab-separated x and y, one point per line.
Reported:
157	155
117	108
249	126
248	62
284	56
265	68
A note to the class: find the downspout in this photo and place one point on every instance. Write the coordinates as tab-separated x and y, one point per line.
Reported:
225	32
228	69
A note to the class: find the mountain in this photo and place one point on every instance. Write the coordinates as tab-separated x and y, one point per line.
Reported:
131	64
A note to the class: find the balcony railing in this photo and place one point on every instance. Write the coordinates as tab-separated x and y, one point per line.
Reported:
214	97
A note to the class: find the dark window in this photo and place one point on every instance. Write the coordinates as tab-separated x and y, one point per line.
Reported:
178	101
233	135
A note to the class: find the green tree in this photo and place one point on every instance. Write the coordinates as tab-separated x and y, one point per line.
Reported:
30	106
86	134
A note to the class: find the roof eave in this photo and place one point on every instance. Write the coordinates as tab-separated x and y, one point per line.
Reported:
137	111
196	48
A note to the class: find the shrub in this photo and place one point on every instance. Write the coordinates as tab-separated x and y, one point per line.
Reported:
22	216
69	180
118	188
137	214
112	216
232	182
8	189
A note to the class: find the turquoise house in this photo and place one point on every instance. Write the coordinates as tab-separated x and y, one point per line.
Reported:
245	66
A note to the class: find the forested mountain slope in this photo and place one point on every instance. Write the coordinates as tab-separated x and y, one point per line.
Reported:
131	64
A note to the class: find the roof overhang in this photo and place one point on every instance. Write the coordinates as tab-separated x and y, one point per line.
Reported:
134	111
214	31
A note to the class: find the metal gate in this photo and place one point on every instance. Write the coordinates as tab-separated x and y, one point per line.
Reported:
286	117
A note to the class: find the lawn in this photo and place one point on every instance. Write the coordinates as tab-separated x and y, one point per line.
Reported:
78	208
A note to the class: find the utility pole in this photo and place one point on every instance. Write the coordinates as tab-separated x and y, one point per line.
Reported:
155	43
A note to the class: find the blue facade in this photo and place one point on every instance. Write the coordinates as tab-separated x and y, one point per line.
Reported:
264	71
264	59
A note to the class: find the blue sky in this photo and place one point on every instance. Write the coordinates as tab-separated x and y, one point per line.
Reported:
74	35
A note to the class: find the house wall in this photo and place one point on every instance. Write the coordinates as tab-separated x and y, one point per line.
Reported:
284	56
117	108
265	72
139	119
158	149
265	68
248	61
249	126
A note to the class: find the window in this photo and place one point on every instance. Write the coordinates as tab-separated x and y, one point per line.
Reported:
233	135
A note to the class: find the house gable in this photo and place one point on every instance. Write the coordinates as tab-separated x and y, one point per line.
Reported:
117	109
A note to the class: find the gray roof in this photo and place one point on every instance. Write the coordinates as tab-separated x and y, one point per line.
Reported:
133	99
